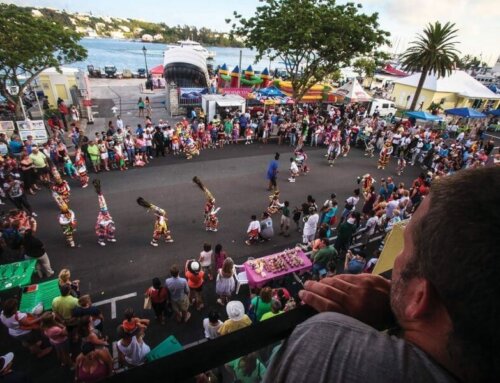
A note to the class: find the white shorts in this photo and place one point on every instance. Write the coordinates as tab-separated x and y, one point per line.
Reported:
104	156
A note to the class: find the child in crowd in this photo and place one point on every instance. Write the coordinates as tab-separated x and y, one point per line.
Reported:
294	170
175	144
212	324
69	168
248	136
133	324
253	230
236	133
205	260
138	160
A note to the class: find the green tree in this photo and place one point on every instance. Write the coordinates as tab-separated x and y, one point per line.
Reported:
470	62
28	45
312	37
365	67
433	52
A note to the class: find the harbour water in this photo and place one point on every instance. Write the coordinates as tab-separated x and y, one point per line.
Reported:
125	54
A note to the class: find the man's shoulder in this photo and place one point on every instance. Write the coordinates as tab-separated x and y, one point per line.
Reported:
345	349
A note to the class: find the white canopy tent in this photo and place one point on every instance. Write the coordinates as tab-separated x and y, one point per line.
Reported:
210	102
353	92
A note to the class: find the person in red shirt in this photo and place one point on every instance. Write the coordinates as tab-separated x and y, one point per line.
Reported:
64	111
195	277
159	298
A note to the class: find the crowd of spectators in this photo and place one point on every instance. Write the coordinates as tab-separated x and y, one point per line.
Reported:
74	328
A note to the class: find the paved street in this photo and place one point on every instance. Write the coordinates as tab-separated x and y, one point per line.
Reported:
236	177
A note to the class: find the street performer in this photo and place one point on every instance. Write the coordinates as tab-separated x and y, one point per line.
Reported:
161	222
105	226
81	169
385	154
60	186
67	219
210	220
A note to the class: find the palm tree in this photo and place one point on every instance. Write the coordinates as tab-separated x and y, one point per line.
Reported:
432	52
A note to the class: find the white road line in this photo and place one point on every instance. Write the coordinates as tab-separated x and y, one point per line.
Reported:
113	302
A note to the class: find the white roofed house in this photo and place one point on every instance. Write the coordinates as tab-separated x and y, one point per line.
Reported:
454	91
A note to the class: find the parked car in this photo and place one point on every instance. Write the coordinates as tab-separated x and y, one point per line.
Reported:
127	73
110	71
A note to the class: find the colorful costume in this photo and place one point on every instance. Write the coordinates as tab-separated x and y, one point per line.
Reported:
366	182
210	218
81	169
190	148
385	155
274	205
60	186
161	223
105	226
25	221
66	220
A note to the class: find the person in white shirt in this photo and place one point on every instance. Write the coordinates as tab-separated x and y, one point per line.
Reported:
119	123
253	230
205	260
211	325
310	226
294	170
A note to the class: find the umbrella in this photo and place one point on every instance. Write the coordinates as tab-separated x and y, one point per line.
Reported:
465	112
420	115
494	112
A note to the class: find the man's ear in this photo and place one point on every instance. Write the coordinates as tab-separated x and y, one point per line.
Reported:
419	298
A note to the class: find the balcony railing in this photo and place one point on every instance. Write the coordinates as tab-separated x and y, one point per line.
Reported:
207	355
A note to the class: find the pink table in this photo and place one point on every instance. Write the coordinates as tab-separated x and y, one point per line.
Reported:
256	280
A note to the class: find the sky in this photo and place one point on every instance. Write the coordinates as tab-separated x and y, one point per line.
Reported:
478	21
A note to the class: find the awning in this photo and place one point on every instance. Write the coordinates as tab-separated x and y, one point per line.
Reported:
224	103
389	69
465	112
420	115
157	70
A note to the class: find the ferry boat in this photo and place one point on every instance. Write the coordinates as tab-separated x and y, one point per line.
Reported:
196	46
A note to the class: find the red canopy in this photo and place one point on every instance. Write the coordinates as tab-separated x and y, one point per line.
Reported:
389	69
157	70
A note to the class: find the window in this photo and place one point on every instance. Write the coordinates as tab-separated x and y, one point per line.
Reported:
385	106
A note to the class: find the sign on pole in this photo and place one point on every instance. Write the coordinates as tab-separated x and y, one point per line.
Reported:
7	127
33	128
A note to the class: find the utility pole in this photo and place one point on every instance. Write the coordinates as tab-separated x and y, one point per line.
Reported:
241	71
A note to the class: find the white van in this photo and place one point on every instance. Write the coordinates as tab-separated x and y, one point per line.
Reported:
385	107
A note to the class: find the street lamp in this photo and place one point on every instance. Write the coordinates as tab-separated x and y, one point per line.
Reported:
144	50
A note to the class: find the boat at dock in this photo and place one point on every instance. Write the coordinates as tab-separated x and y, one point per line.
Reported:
194	45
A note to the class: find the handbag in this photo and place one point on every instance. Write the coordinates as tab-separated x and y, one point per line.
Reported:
147	302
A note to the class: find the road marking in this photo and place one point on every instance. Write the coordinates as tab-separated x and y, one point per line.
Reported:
113	302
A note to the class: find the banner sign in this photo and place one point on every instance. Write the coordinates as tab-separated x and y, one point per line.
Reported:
192	93
7	127
243	92
33	128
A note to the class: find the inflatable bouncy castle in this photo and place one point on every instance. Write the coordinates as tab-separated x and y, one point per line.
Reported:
223	76
249	78
235	74
265	78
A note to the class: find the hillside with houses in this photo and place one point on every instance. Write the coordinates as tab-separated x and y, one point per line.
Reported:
95	26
